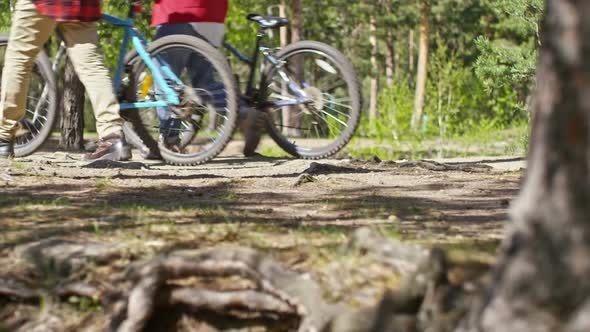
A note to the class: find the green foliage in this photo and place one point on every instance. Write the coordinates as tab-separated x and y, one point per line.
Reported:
508	55
396	106
504	64
111	37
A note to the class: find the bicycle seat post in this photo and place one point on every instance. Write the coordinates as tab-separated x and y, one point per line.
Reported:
260	35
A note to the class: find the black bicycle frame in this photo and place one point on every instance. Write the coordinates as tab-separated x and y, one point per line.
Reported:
253	62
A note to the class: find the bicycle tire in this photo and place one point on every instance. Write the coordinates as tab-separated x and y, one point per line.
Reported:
354	90
43	65
142	140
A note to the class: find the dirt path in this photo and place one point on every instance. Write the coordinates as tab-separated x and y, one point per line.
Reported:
299	211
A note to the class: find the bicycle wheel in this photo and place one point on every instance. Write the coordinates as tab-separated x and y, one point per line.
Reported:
200	127
41	110
323	119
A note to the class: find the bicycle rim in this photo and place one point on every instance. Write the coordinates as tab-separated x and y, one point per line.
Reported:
35	127
198	129
327	120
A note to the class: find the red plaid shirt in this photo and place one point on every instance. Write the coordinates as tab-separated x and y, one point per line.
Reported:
69	10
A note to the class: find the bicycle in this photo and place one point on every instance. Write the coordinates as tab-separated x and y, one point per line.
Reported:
167	90
308	93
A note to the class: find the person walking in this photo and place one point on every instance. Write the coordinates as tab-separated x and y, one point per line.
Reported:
204	19
33	22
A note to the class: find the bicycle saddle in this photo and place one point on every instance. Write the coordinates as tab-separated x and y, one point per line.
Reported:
268	22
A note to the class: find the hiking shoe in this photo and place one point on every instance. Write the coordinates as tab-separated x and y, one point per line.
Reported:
251	124
6	149
110	148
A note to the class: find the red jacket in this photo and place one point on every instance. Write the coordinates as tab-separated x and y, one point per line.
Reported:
69	10
188	11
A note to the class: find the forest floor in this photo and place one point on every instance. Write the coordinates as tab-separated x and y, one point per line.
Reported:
302	213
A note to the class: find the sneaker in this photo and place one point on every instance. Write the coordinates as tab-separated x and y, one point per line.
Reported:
6	149
251	124
114	148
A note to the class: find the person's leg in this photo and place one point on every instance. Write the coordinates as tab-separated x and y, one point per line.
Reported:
170	125
83	49
28	33
250	120
82	43
200	69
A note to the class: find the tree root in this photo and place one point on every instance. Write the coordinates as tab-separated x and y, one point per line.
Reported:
439	167
403	258
278	290
425	300
248	300
15	290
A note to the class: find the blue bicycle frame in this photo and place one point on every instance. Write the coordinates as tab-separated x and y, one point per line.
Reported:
160	71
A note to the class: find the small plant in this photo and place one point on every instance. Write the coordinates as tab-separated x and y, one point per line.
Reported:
85	304
17	165
103	184
96	228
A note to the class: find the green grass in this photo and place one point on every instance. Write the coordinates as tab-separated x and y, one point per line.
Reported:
484	142
103	184
273	151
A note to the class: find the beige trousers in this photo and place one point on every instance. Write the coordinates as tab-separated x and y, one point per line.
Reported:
29	32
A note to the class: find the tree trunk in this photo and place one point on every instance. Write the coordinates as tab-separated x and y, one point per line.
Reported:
389	59
283	32
386	5
72	119
542	281
296	25
411	48
293	121
374	93
422	65
284	40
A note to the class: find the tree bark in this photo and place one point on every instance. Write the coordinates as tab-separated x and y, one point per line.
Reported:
422	65
72	119
283	32
293	121
542	279
374	93
297	22
386	5
284	40
389	59
411	51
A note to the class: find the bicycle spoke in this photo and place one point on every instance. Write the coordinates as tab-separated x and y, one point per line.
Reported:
342	99
337	111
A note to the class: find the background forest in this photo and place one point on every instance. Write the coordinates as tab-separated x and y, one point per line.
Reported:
450	70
